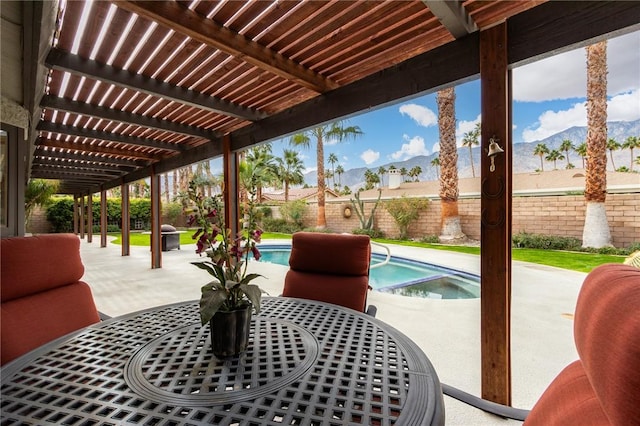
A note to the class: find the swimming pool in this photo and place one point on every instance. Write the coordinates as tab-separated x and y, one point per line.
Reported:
402	276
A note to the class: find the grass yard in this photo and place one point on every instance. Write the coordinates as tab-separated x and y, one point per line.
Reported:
575	261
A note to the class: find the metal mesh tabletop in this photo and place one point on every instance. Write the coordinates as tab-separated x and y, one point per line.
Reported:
307	363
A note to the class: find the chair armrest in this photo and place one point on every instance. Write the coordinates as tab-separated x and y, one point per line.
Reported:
504	411
372	310
103	316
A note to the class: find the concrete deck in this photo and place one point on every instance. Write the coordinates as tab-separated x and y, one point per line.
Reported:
447	330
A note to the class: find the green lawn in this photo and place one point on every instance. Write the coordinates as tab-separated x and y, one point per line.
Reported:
575	261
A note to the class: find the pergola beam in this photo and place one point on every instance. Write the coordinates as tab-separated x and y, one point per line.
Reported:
183	20
64	61
61	104
453	16
96	149
62	129
40	152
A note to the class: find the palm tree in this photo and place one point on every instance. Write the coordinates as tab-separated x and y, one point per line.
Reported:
381	172
566	146
165	178
450	218
612	145
596	231
631	143
38	192
290	169
403	173
333	159
339	172
541	150
554	155
471	139
582	151
415	173
370	179
336	130
436	163
265	165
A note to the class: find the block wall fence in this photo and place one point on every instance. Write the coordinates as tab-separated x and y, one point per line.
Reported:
561	215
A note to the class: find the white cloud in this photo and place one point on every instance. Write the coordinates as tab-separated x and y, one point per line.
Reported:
423	116
624	107
436	147
369	156
564	76
464	127
415	146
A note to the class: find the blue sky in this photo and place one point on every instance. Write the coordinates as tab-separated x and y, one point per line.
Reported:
549	96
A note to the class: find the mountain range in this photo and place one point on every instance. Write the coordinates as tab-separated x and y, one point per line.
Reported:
523	158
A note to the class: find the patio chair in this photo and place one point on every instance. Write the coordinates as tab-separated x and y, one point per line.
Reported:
331	268
41	295
601	387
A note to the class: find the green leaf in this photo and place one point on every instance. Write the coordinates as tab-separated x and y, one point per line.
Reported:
253	293
206	266
249	277
210	303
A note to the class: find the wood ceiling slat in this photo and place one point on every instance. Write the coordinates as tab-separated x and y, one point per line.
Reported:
70	23
112	36
126	153
300	12
273	18
185	21
96	19
43	152
250	11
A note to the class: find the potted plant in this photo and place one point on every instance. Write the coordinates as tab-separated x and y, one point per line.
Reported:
227	302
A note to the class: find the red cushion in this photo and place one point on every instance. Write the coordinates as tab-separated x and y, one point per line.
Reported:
34	264
607	335
340	254
347	291
568	401
29	322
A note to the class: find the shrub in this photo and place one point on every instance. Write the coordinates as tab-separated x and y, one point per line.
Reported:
60	214
404	211
172	211
430	239
110	228
280	225
293	211
372	233
547	242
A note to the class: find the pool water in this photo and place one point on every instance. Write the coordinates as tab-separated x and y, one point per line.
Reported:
403	276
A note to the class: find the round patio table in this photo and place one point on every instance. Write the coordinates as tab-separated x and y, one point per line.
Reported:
307	363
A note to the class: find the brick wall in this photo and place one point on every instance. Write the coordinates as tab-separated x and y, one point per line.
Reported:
561	215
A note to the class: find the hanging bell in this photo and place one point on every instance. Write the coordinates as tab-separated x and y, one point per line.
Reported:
494	149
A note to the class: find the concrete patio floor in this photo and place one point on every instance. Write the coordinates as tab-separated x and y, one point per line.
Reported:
448	331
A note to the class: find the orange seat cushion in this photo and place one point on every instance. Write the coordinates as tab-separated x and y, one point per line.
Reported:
42	297
331	268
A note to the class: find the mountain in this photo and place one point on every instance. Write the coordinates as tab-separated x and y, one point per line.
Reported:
523	158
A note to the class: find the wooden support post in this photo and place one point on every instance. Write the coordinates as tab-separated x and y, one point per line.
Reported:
230	190
126	219
156	213
495	217
75	214
90	218
83	217
103	218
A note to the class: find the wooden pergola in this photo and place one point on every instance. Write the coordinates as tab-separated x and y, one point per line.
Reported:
127	90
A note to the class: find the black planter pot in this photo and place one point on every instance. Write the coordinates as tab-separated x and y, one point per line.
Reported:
230	332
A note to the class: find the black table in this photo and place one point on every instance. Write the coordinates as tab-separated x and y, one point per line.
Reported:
307	363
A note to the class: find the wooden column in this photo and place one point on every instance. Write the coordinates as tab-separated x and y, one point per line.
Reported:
90	218
230	190
126	219
103	218
83	217
76	217
495	218
156	213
